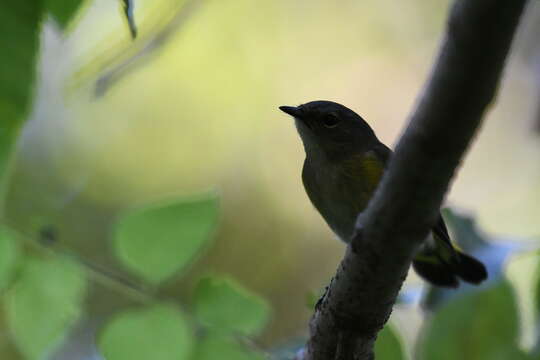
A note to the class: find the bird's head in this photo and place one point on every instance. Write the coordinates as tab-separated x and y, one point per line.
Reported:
330	129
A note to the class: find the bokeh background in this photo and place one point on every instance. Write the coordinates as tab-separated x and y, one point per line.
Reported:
190	106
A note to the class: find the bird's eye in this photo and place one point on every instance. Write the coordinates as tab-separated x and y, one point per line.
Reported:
330	121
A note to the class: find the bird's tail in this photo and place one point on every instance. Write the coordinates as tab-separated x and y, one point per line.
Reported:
445	270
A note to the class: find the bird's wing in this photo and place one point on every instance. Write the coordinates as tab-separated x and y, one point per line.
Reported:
369	166
440	232
361	173
444	246
383	152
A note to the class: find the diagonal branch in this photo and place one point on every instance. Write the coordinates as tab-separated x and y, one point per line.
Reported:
462	84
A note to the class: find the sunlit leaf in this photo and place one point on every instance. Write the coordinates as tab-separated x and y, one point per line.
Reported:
19	40
388	345
62	10
9	254
224	304
480	325
43	304
155	242
159	332
222	347
537	292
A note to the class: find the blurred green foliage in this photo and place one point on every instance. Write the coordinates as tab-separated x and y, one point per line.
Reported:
43	303
9	255
223	305
219	346
62	10
389	346
46	298
19	34
481	325
159	332
157	241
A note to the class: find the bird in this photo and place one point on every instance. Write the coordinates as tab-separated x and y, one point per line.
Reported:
343	166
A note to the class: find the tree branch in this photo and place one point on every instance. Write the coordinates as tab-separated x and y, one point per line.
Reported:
462	84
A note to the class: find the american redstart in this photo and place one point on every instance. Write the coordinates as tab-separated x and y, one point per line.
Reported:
344	163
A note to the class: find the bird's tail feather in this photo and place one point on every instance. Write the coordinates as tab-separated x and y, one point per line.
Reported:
445	273
469	269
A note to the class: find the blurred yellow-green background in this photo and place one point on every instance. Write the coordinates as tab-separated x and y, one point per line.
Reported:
198	112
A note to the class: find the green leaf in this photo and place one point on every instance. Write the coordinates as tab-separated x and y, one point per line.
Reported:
43	304
19	41
159	332
223	347
8	136
9	255
222	303
481	325
537	293
155	242
63	10
388	345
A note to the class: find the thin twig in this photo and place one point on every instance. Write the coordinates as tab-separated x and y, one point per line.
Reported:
47	243
128	12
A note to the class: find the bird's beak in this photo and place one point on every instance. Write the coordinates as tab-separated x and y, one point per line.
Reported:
292	110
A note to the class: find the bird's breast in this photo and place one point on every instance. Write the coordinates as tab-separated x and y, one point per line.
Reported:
339	193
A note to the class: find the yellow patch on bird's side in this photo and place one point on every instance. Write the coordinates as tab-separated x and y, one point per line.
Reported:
366	169
427	259
372	169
